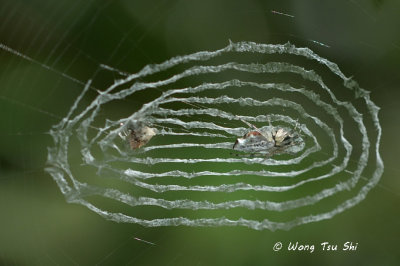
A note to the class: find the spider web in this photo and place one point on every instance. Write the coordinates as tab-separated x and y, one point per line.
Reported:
205	133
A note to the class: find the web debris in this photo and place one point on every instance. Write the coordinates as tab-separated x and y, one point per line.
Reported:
281	13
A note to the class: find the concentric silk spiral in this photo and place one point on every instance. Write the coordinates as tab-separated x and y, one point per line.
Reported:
199	105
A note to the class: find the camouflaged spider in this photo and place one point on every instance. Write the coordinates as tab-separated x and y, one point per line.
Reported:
268	140
137	134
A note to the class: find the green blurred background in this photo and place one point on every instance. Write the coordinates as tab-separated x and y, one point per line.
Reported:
71	38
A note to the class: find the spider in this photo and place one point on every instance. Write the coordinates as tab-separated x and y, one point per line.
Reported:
137	134
268	140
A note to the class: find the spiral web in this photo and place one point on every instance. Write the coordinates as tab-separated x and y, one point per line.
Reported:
188	173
